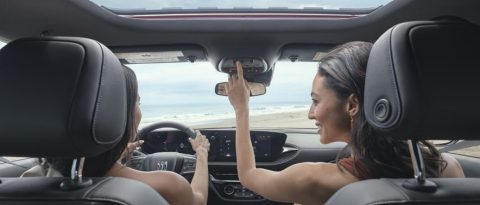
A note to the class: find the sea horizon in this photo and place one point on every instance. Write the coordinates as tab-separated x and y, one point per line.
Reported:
208	113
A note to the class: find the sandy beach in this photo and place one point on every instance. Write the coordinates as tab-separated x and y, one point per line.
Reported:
297	119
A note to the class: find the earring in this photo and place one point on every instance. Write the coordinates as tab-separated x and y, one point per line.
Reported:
351	121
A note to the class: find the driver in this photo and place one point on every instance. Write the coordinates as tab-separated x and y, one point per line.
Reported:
172	186
337	95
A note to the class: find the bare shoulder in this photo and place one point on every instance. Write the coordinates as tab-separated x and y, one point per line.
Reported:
453	168
325	175
172	186
165	182
306	183
321	180
167	176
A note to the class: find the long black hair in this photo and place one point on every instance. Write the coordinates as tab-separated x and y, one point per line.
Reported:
344	69
99	165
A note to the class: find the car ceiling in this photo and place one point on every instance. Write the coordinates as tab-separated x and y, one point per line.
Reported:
219	37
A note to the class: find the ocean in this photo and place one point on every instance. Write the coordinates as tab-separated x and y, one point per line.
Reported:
195	114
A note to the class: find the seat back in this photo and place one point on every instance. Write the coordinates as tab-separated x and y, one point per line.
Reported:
103	191
421	84
64	97
391	191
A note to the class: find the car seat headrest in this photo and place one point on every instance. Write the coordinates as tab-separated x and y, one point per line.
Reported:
60	97
422	81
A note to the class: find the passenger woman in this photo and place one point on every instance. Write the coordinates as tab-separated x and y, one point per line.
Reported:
337	110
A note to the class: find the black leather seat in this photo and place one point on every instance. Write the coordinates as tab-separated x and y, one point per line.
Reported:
63	97
391	191
422	83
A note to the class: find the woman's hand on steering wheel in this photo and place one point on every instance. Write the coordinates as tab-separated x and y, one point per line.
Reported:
131	146
173	161
200	143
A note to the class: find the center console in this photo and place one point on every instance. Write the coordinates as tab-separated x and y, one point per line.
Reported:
232	190
268	147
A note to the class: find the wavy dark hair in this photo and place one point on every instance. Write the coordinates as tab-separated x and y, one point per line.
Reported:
344	69
99	165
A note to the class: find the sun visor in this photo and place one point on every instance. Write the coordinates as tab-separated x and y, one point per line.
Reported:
160	54
304	52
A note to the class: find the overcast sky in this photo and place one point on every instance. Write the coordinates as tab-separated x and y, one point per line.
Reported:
158	4
194	83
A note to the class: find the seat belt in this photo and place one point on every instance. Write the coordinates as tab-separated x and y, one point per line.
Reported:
460	145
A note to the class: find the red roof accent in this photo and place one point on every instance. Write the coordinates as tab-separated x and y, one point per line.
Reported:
239	16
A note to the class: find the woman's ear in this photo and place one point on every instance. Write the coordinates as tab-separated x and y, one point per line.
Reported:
352	105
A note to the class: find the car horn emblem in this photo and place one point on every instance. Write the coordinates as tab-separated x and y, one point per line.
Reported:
162	165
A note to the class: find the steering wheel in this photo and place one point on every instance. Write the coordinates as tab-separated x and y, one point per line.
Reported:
166	161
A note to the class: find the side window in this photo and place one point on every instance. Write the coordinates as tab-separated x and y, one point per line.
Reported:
466	148
469	151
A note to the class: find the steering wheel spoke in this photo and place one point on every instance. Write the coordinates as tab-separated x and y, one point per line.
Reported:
188	166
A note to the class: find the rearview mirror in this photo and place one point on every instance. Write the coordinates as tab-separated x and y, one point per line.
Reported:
255	88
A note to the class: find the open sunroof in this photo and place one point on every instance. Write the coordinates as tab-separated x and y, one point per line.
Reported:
235	6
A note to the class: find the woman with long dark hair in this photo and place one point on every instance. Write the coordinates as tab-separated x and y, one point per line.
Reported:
172	186
337	108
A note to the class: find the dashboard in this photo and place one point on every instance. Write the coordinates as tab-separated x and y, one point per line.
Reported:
267	145
275	149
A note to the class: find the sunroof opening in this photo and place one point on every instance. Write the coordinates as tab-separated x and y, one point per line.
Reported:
199	6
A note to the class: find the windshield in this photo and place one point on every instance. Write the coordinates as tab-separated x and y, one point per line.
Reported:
320	6
185	93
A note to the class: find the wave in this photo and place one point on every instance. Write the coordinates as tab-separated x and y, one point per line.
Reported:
198	118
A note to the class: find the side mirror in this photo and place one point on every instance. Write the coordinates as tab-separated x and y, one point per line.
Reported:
255	89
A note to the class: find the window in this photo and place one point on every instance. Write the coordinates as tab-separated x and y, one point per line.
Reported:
184	93
461	147
209	6
473	151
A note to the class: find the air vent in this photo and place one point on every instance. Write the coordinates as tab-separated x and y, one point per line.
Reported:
288	152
